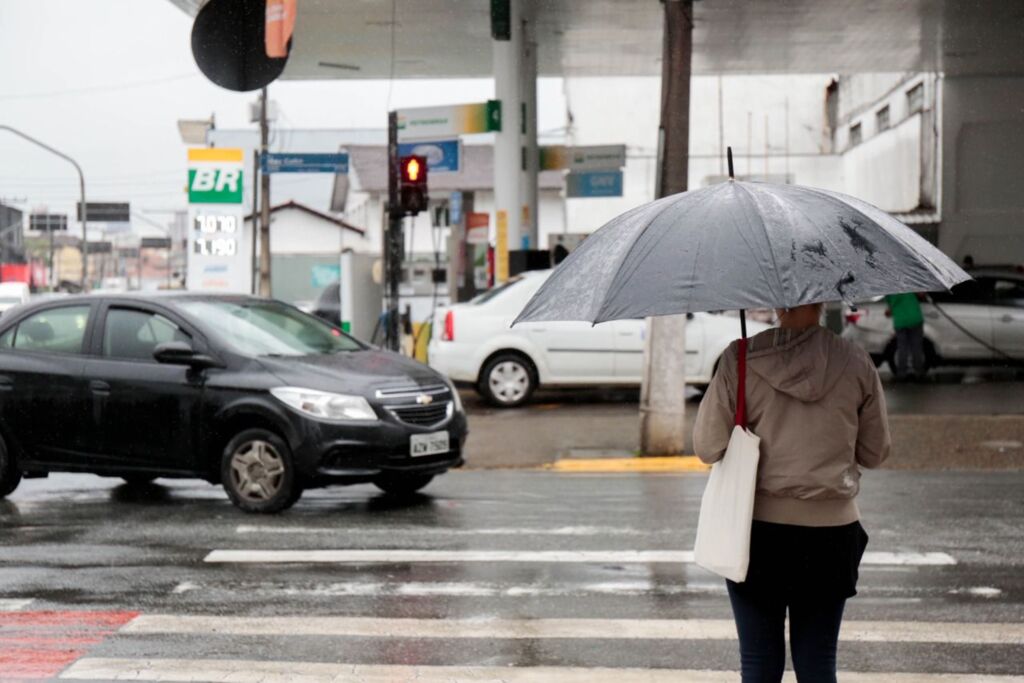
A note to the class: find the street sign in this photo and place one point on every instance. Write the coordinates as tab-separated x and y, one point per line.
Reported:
99	247
214	175
426	123
443	156
48	222
588	158
276	162
594	184
106	212
455	208
155	243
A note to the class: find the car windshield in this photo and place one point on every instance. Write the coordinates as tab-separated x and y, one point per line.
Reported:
268	328
492	293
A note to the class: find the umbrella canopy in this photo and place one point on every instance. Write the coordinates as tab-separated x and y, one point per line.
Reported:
739	245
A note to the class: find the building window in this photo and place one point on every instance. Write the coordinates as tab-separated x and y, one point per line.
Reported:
855	135
882	119
915	99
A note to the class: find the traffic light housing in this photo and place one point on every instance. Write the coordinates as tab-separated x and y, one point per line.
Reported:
413	186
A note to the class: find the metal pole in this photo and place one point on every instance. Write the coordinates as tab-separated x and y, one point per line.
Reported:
395	238
264	289
254	222
721	128
81	187
662	395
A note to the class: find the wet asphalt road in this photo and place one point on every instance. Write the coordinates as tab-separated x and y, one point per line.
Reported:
78	544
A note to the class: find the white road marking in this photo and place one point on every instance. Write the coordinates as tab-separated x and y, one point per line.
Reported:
14	604
556	556
95	668
185	587
978	591
619	629
264	529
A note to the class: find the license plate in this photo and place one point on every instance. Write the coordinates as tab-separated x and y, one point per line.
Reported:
428	444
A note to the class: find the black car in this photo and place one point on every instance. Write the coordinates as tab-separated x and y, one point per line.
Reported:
248	392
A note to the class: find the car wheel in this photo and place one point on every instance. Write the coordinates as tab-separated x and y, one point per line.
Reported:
258	473
930	356
508	381
402	484
10	476
139	479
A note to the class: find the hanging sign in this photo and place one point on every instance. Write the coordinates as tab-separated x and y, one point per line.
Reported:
443	156
276	162
593	184
588	158
424	123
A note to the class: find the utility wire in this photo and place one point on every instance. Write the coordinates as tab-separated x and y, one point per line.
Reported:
993	349
97	88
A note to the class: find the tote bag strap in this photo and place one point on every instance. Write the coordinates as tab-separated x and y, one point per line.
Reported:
741	384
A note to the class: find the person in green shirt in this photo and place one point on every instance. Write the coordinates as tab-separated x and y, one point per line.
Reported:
908	320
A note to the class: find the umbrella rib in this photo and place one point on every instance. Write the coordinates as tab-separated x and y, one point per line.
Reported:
775	266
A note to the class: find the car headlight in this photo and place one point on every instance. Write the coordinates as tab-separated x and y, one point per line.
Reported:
322	405
456	398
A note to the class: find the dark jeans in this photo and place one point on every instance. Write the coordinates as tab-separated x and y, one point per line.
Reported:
910	350
761	625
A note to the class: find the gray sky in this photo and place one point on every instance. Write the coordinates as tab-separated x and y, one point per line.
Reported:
105	81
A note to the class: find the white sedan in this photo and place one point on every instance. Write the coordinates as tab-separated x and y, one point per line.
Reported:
473	343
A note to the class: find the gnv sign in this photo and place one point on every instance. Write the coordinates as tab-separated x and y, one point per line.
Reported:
215	176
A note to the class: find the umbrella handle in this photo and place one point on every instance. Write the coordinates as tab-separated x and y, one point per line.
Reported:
728	153
741	373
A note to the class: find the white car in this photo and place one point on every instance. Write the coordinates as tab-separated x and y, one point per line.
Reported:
980	322
13	294
473	343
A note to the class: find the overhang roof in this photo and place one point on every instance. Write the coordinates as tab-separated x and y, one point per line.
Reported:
451	38
327	218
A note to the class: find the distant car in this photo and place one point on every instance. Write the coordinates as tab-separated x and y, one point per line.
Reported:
472	343
246	392
328	305
13	294
977	323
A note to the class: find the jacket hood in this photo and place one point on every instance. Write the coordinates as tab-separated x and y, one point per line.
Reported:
804	364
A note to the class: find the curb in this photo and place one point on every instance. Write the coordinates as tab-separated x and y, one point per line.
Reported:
684	463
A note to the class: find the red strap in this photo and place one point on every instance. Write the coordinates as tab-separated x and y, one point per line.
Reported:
741	385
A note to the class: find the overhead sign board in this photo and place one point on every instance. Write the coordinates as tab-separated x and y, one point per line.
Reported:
478	227
426	123
219	250
215	175
48	222
594	184
106	212
587	158
304	163
443	156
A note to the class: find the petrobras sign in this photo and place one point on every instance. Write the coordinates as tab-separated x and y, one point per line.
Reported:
219	250
215	175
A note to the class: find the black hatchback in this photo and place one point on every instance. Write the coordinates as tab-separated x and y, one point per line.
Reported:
247	392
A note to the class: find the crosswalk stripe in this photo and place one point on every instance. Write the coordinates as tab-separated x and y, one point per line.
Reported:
264	529
554	556
617	629
95	668
14	604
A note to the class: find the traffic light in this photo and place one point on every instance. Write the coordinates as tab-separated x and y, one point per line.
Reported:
414	184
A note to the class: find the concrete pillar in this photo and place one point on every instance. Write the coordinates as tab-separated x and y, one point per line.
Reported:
508	143
531	154
662	394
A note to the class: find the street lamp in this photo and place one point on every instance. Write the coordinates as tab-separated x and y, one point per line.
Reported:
81	187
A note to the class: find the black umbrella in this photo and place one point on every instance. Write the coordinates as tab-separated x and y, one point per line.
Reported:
739	245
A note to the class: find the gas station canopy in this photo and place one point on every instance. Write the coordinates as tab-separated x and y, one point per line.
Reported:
347	39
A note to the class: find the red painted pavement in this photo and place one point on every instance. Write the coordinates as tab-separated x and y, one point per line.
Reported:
39	645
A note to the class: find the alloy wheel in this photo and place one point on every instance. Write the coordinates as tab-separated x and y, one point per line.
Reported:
257	471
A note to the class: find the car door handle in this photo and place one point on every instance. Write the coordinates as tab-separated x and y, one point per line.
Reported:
1007	318
99	387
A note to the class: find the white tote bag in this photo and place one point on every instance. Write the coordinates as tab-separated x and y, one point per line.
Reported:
727	508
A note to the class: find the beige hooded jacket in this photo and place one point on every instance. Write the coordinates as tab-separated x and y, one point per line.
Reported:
816	402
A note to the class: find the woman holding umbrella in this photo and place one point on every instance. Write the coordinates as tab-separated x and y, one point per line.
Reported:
814	411
816	402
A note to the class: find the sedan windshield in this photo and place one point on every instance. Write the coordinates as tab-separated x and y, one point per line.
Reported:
267	328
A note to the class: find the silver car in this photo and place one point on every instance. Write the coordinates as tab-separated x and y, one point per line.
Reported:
979	322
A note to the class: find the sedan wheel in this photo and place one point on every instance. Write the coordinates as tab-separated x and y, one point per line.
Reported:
508	381
257	472
10	476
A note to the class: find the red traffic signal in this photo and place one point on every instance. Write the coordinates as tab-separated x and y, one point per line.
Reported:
414	184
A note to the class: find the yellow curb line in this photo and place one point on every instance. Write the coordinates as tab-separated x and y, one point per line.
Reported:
685	463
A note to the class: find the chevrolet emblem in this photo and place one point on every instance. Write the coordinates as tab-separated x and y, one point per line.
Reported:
424	399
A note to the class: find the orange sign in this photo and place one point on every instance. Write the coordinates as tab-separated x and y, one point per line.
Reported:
280	24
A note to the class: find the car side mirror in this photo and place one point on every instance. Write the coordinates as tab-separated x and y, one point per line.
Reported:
181	353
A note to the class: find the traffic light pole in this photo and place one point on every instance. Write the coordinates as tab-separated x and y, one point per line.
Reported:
394	240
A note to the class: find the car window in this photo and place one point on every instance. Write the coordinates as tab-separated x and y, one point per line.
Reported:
55	330
971	292
1008	292
267	328
134	335
7	338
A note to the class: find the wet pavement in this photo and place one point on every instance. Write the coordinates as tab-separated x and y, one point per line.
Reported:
969	418
490	575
